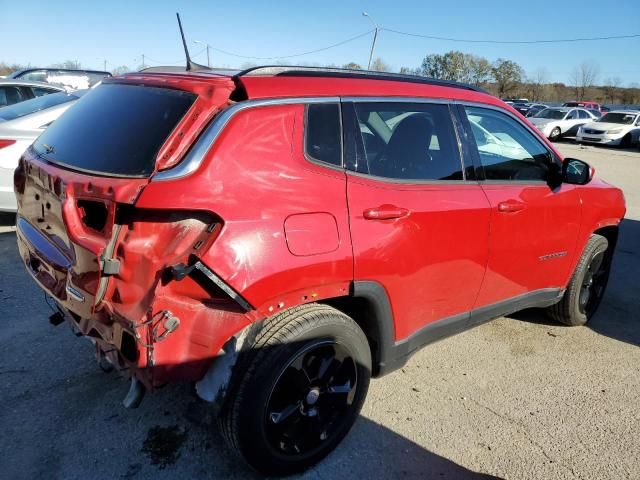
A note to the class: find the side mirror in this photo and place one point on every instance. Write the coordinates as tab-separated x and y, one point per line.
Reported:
576	172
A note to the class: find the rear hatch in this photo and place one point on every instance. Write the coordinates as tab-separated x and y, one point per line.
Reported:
92	163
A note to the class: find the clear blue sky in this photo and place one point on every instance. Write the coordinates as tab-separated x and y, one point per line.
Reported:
44	32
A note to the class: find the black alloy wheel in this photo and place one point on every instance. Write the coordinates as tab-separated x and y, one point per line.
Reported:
593	284
311	398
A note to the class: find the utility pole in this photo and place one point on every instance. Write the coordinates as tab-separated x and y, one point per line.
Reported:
105	65
143	61
208	47
375	36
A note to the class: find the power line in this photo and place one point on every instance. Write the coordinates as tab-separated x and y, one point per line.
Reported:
295	54
518	42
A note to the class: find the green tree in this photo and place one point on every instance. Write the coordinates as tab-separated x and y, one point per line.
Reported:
457	66
352	66
507	75
480	70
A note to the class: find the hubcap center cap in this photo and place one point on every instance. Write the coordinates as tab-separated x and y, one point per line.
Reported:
312	396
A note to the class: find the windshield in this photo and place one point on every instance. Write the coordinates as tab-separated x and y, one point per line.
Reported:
572	104
551	113
35	105
115	129
621	118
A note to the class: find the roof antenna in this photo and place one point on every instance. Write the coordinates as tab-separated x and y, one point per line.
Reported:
191	66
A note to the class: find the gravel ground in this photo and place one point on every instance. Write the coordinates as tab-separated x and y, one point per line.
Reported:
517	398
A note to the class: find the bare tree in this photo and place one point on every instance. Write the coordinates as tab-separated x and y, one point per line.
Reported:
537	85
611	87
70	64
6	69
379	65
121	70
583	77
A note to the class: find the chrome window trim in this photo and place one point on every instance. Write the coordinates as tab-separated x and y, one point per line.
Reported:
195	156
408	181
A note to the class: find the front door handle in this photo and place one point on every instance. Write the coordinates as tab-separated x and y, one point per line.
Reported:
385	212
510	206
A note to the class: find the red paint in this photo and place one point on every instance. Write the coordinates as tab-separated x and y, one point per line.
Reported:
538	222
282	231
311	233
432	261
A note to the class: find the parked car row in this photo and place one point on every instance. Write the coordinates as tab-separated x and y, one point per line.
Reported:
619	128
27	84
30	100
529	109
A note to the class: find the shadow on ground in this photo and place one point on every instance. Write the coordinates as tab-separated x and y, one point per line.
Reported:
617	315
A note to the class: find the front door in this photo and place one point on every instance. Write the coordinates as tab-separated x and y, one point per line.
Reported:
534	225
419	226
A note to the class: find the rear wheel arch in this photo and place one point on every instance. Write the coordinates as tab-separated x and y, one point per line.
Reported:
369	306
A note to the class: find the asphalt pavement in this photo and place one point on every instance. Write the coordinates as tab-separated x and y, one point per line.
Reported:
517	398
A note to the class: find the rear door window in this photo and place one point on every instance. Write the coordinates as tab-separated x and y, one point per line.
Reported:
115	129
407	141
322	133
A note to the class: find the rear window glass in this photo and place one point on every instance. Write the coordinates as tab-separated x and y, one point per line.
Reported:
115	129
35	105
322	133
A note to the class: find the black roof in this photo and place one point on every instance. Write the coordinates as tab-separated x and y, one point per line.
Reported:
295	71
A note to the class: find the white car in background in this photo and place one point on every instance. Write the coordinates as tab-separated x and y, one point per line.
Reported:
620	127
20	125
555	123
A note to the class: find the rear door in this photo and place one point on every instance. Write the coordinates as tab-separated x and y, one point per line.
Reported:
419	222
534	225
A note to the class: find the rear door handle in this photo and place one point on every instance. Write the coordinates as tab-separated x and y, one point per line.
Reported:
511	206
385	212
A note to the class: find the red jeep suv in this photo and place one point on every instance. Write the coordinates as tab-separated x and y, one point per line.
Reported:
280	235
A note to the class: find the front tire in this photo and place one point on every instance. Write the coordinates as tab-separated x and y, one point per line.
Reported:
555	134
297	391
626	141
587	286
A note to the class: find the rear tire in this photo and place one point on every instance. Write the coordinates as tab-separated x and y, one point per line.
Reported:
555	134
587	286
297	391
